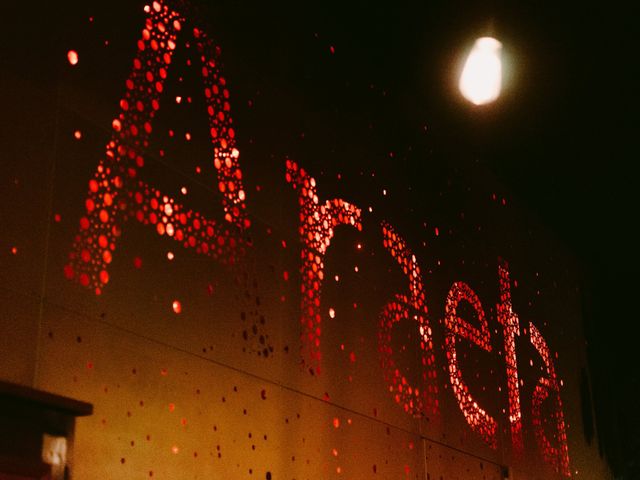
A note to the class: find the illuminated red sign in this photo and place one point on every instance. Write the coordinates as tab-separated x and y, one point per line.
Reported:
117	194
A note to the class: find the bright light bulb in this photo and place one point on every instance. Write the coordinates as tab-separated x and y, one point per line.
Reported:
481	78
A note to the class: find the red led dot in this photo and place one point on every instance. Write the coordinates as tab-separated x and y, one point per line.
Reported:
177	306
72	57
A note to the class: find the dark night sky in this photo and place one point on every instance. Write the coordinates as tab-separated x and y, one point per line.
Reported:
560	139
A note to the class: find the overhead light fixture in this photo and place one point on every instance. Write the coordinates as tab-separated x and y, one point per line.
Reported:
481	79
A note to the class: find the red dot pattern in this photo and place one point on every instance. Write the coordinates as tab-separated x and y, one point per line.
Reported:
415	400
511	328
115	192
479	420
557	456
317	223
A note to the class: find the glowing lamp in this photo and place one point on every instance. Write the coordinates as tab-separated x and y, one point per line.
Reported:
481	78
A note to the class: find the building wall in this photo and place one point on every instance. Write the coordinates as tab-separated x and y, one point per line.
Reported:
224	383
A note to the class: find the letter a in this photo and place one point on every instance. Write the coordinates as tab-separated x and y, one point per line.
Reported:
115	192
416	400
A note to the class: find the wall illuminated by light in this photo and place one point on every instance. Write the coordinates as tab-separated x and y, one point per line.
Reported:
275	316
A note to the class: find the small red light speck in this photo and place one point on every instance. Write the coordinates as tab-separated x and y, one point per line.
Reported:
57	217
336	422
177	306
137	262
332	49
332	313
77	134
72	56
14	250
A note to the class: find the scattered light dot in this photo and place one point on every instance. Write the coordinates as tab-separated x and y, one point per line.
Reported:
170	255
183	190
77	134
177	306
14	250
72	56
178	99
332	313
